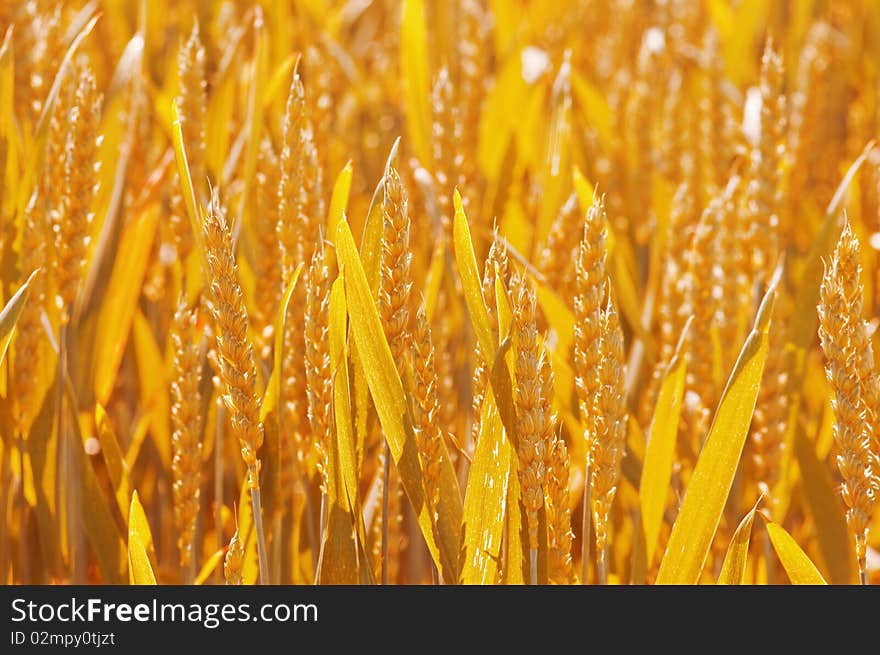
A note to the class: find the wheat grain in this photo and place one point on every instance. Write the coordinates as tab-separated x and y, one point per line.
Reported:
317	355
192	106
187	420
426	408
838	335
395	281
267	285
714	125
701	302
446	134
591	288
236	357
80	182
672	128
496	264
672	306
814	128
532	408
559	523
234	560
606	447
639	111
29	336
557	258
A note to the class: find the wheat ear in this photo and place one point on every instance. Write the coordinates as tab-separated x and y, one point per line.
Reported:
590	294
236	358
606	449
839	332
186	442
533	420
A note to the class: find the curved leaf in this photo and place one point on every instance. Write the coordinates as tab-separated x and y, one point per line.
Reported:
470	280
799	567
388	395
707	492
660	451
339	563
210	566
733	570
123	292
10	314
339	199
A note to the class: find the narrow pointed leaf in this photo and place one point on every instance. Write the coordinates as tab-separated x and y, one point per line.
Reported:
140	543
800	568
733	570
660	451
707	492
391	406
10	314
485	500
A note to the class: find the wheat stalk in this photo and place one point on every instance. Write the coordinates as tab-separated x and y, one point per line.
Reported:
591	290
446	132
840	331
557	258
395	284
233	561
671	306
534	422
317	356
236	358
606	448
426	408
559	513
267	289
29	335
496	264
192	105
73	216
186	440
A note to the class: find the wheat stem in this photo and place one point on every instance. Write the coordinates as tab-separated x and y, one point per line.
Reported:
236	359
586	523
386	469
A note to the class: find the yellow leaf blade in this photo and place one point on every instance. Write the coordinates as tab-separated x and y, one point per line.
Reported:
484	501
660	451
140	542
391	406
707	492
10	314
800	568
470	280
339	198
210	566
123	291
273	386
154	386
733	570
338	559
114	458
190	199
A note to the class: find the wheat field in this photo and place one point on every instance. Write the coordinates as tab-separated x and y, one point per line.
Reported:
427	292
